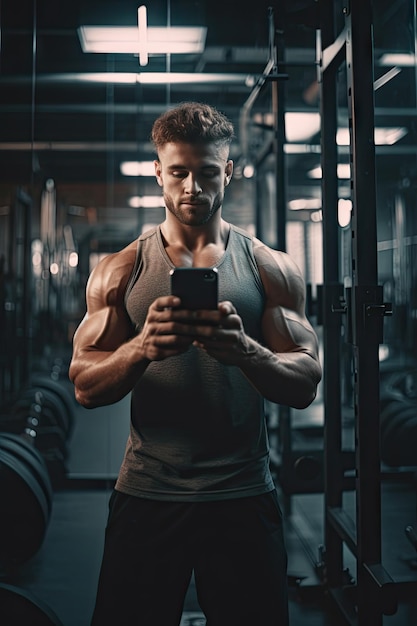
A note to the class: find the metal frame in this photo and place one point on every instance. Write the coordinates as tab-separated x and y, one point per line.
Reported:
375	593
332	290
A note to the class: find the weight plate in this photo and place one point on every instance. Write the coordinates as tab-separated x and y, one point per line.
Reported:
308	467
29	455
51	405
389	412
25	516
392	425
403	384
46	382
406	437
19	607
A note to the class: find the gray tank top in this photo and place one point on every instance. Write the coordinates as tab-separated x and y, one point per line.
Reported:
198	429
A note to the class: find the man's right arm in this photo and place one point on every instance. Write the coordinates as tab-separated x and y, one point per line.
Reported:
104	362
108	358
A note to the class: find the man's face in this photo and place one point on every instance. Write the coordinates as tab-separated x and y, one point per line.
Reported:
193	178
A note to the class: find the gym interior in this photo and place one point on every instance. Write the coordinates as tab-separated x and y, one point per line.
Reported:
323	97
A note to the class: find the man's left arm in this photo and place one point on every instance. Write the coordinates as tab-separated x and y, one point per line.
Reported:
286	369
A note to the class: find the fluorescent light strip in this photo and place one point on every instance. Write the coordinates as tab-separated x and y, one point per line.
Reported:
301	204
302	148
383	136
151	78
143	35
343	171
137	168
146	202
299	125
403	59
383	80
124	40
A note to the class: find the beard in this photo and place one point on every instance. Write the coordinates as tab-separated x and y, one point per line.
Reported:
194	216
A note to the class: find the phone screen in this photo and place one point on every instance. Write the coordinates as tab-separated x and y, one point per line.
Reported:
196	286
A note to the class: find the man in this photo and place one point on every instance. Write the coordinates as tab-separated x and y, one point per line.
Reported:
194	492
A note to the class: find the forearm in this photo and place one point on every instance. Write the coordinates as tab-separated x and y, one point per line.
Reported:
288	378
102	378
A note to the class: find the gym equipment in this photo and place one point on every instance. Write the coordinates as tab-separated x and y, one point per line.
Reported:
398	418
374	593
308	467
398	425
42	425
26	492
23	448
46	381
43	410
15	295
300	471
19	606
401	385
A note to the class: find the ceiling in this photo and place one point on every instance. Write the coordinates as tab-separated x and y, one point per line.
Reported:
55	124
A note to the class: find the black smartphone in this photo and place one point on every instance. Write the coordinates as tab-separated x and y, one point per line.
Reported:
196	286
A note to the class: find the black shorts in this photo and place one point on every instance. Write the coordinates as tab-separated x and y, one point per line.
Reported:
235	548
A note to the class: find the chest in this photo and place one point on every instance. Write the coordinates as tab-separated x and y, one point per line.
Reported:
208	256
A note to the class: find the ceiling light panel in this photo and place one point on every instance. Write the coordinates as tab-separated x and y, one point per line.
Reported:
126	39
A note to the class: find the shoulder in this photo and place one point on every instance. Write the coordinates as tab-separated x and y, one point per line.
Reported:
109	278
280	275
280	263
240	231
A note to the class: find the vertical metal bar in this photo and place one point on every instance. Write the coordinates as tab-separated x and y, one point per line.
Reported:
359	60
26	211
22	296
278	109
12	328
280	172
259	222
333	470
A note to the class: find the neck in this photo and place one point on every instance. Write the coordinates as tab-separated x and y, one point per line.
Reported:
195	237
198	246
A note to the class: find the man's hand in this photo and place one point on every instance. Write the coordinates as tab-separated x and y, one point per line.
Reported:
223	336
164	334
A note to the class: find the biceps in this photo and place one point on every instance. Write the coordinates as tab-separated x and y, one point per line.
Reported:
104	330
286	331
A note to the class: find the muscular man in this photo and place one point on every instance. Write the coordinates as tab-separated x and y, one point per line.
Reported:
194	492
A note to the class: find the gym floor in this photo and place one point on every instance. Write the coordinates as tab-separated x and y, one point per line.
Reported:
63	574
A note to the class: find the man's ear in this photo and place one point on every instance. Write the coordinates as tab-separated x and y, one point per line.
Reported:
158	170
228	172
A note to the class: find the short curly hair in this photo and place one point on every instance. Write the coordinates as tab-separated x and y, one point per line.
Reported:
192	122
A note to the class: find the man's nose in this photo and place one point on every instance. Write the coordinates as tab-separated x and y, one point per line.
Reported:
192	185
